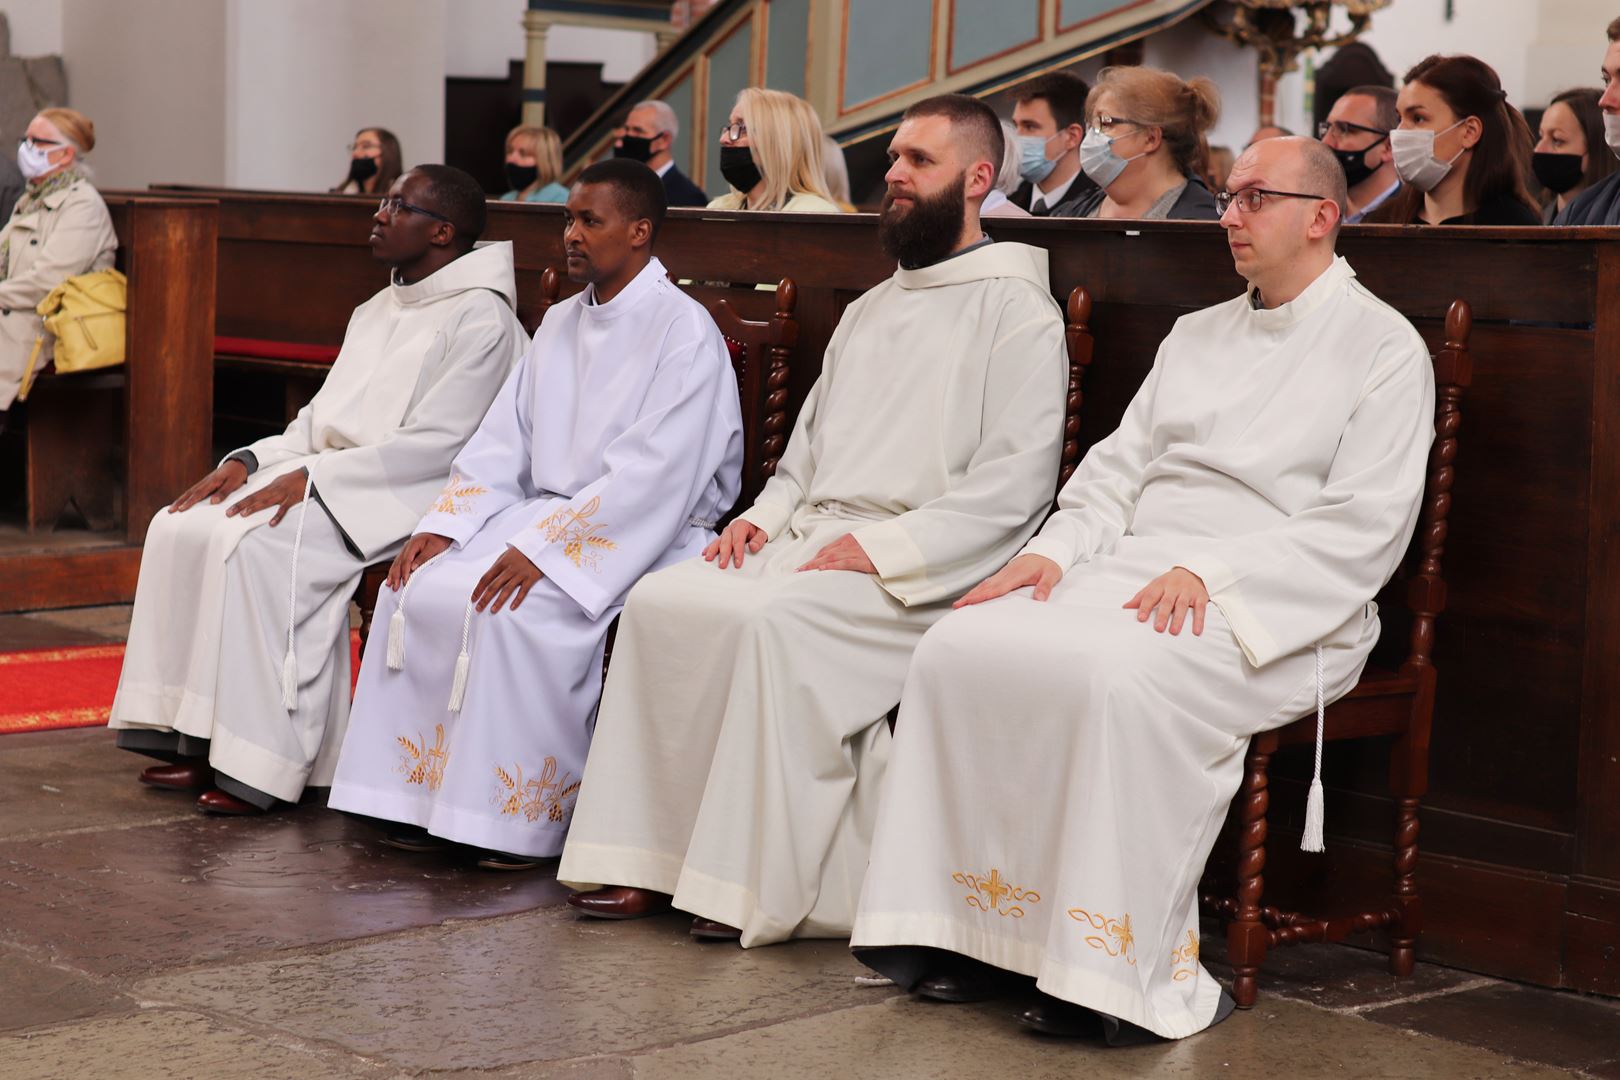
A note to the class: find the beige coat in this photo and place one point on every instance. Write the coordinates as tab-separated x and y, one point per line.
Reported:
66	234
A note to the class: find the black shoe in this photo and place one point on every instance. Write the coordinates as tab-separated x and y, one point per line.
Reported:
1052	1016
415	838
959	979
501	860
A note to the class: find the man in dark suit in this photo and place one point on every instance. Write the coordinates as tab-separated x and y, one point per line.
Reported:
648	136
1050	117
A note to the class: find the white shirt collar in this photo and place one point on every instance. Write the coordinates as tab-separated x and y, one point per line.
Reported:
1050	198
668	165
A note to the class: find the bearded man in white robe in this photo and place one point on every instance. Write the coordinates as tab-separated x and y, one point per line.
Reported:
613	450
742	736
237	669
1065	754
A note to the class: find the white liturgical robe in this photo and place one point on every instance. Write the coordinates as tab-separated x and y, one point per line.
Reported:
612	451
1061	770
742	737
419	365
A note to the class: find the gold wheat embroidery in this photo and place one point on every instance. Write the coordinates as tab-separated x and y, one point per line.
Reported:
581	538
546	795
1185	959
1114	937
999	897
457	496
421	763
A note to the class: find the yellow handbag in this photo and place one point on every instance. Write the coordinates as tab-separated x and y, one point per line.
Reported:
85	314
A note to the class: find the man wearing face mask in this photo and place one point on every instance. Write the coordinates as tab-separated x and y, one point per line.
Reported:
1050	119
60	229
1600	203
1357	131
648	136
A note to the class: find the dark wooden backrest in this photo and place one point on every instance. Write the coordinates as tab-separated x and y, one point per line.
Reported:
1077	336
762	353
550	286
1417	593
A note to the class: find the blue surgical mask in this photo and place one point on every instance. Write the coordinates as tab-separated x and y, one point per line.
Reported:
1098	160
1033	164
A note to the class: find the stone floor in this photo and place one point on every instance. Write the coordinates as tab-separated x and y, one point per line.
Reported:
138	939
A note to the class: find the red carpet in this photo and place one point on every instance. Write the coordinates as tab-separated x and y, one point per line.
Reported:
45	689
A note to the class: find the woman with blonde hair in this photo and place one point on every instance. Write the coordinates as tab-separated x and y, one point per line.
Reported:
59	229
1145	145
533	165
770	154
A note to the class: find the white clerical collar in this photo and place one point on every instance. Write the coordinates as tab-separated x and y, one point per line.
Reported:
628	297
1314	296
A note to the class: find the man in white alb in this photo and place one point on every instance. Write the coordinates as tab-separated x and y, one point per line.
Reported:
1065	753
612	451
742	736
237	670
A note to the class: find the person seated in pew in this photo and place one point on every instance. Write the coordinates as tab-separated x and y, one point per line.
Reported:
648	136
770	154
1145	145
533	164
741	740
1461	150
1571	156
1065	754
59	229
1357	131
237	668
1600	203
375	162
1049	116
999	202
612	451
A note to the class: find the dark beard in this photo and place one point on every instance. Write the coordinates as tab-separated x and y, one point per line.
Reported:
928	231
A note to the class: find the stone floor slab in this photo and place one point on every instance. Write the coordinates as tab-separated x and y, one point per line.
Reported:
1559	1029
18	632
201	889
547	986
38	995
110	623
54	781
168	1044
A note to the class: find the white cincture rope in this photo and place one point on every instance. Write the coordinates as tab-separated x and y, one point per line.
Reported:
1312	839
396	621
458	685
289	663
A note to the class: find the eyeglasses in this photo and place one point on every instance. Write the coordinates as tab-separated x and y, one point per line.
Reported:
393	204
1103	123
39	144
1251	199
1341	129
733	132
352	147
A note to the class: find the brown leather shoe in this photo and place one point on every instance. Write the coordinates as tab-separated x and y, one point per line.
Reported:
215	801
620	902
188	775
709	930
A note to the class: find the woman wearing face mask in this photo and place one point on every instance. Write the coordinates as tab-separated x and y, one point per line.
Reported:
375	162
533	164
770	154
1461	151
59	229
1145	145
1564	162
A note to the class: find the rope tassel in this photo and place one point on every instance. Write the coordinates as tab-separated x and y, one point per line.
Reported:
458	685
396	621
289	663
1314	809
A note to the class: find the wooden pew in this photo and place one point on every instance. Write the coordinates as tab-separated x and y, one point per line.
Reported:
1521	859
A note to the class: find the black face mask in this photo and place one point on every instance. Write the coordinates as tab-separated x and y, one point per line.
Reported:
521	176
362	169
928	231
635	148
1354	164
737	166
1557	172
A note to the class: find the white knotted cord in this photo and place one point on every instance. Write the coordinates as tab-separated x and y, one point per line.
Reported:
1312	839
289	663
458	685
396	621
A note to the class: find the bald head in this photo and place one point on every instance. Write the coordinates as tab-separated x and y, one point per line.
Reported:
1295	163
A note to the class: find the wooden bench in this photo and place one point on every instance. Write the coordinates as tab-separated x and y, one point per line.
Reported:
1394	701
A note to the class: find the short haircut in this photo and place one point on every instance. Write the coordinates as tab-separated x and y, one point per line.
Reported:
1064	93
973	123
637	190
458	197
1614	30
1384	99
1320	172
668	123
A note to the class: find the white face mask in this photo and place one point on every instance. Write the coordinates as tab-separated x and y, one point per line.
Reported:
1611	131
1415	162
34	161
1098	160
